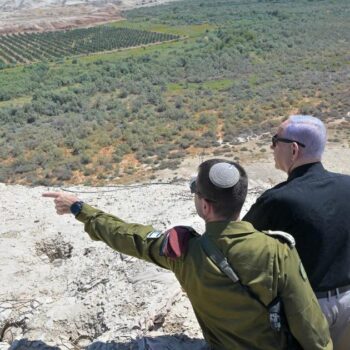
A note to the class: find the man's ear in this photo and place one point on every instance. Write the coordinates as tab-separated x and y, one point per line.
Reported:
207	208
295	150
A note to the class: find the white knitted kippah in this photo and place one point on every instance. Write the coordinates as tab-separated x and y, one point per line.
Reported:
224	175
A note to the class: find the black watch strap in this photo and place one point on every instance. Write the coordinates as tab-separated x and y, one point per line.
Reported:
75	208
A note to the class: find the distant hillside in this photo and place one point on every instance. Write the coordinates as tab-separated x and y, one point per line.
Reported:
8	5
15	4
18	16
239	69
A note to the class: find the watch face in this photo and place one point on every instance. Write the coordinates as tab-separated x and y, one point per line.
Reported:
76	208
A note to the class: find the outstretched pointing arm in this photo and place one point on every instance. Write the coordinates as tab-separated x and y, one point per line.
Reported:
140	241
63	201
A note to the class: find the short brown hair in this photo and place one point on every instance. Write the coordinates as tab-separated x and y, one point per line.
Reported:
227	202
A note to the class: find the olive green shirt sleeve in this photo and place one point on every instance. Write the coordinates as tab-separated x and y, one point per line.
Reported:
131	239
305	318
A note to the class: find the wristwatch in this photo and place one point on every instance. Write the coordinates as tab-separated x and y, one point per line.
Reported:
75	208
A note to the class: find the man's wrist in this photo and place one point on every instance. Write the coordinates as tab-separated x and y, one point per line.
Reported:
76	207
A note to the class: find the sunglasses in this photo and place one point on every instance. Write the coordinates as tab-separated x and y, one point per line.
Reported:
194	190
276	138
193	185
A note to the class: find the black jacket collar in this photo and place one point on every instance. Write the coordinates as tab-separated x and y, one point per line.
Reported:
306	168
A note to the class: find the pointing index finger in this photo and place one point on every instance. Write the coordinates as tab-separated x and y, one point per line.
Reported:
51	194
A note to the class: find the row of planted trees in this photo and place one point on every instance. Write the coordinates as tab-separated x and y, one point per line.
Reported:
30	47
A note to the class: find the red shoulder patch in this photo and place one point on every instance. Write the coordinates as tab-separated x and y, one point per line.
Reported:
176	241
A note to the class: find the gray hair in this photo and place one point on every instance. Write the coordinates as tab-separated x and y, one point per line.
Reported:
308	130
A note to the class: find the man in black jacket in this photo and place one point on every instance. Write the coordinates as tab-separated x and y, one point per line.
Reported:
314	206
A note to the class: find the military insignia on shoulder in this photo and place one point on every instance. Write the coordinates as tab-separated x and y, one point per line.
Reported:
284	235
176	241
154	235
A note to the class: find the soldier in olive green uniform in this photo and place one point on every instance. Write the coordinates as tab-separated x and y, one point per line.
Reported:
231	315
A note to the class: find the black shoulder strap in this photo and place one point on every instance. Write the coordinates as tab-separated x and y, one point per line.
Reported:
218	258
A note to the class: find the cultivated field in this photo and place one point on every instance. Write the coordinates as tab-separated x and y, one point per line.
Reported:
31	47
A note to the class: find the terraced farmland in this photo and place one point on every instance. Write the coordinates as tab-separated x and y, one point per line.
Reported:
31	47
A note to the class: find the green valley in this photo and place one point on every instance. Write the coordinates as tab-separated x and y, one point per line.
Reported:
234	71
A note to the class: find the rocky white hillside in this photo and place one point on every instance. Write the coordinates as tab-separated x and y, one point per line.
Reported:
60	290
